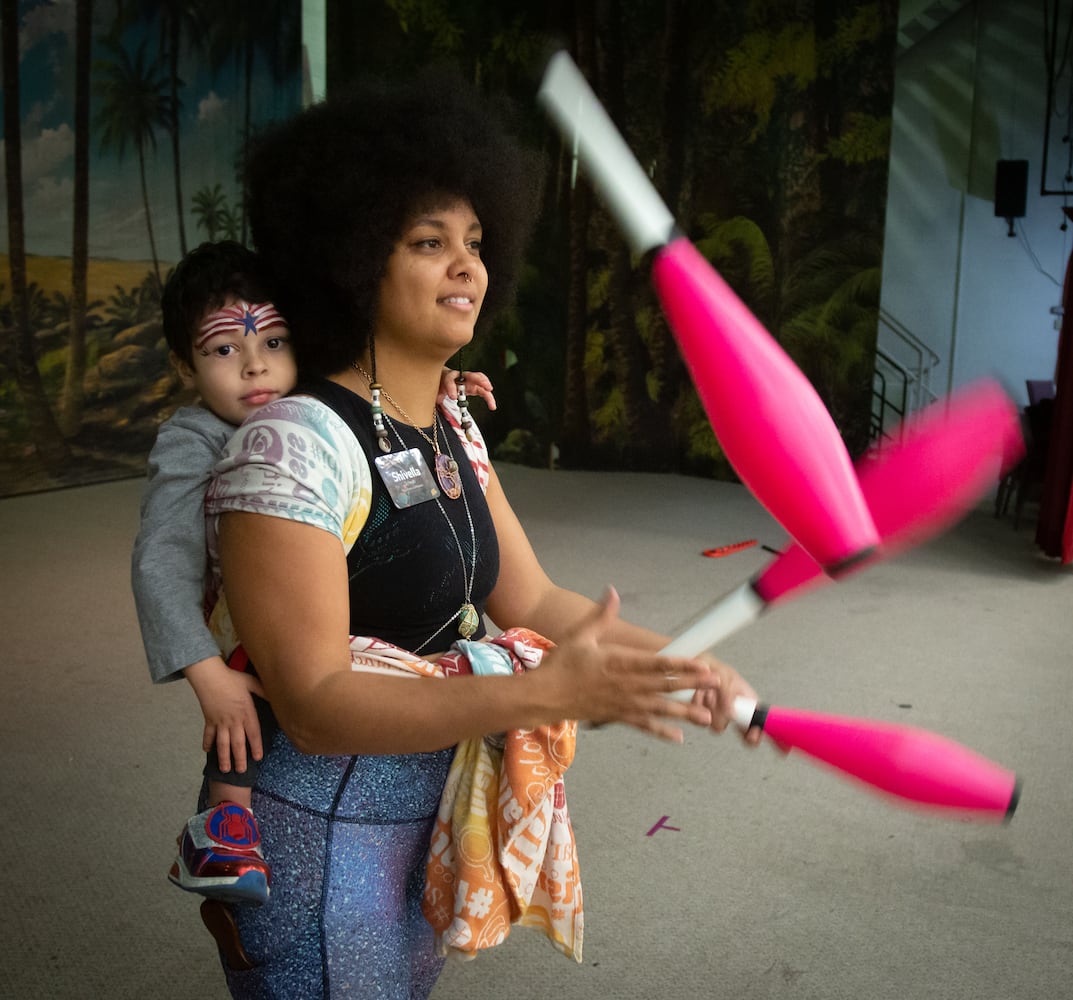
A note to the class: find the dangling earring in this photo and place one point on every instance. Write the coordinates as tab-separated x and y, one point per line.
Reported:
463	403
382	439
378	418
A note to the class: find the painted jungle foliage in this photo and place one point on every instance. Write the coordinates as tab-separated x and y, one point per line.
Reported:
764	124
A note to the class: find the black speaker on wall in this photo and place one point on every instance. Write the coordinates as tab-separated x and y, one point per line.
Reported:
1011	188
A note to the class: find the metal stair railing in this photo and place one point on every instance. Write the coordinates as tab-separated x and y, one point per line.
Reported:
918	367
882	405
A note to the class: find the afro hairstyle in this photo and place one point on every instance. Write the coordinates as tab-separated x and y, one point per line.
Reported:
331	190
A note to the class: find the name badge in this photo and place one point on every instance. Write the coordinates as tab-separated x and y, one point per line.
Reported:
407	478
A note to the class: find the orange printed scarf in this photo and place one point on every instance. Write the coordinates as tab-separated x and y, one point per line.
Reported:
502	849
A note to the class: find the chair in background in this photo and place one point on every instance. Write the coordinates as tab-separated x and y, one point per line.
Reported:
1039	389
1025	480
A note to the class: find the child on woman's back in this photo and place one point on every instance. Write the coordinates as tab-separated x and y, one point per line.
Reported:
227	342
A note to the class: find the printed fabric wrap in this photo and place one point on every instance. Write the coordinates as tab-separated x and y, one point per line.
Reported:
503	850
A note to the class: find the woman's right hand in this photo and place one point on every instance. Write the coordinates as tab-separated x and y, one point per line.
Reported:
601	682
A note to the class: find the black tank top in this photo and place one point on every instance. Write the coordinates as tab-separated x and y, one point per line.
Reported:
407	576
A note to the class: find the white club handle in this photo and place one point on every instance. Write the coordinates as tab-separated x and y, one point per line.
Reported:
744	709
616	174
731	612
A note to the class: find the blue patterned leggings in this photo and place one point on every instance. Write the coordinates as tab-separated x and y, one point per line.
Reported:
347	839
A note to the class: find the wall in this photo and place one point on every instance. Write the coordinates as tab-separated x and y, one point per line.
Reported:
971	92
314	50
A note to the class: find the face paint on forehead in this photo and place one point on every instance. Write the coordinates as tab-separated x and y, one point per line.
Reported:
239	317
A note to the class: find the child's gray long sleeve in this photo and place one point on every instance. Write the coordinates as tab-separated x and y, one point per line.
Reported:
169	563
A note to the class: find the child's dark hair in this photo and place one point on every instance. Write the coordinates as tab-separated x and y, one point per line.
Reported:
330	191
203	281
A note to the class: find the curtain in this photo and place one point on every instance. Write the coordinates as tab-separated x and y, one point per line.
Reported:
1054	532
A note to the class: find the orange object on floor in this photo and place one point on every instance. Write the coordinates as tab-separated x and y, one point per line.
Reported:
726	550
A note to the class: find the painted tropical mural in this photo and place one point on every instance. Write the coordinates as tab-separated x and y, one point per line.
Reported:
764	123
124	124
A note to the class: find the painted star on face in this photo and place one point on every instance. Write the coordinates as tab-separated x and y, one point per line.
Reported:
238	316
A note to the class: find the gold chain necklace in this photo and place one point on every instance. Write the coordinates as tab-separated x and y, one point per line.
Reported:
467	615
445	466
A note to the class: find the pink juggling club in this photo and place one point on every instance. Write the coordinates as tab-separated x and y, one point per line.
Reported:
910	763
769	420
915	488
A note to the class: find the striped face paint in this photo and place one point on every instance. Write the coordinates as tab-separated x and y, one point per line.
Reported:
239	317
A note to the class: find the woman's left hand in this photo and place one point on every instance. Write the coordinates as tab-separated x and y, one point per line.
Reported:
719	699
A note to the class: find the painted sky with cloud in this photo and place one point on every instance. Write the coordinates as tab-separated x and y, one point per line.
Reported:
211	135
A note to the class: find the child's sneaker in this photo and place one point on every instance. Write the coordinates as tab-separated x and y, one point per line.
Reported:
220	856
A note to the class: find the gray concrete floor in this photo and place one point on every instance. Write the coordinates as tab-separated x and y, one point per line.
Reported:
779	879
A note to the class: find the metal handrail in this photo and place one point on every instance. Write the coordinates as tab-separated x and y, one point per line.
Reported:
879	420
925	358
906	334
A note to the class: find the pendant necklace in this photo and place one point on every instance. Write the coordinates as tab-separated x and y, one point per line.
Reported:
446	468
467	617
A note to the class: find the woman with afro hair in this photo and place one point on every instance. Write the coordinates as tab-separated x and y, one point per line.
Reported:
359	514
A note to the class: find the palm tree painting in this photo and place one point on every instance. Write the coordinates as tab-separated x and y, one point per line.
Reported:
134	105
238	32
20	361
764	124
181	26
73	400
210	211
113	111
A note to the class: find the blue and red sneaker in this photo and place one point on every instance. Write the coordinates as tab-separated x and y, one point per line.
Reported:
220	856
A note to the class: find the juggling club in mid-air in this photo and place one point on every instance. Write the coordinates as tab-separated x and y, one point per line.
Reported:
915	487
768	418
908	762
